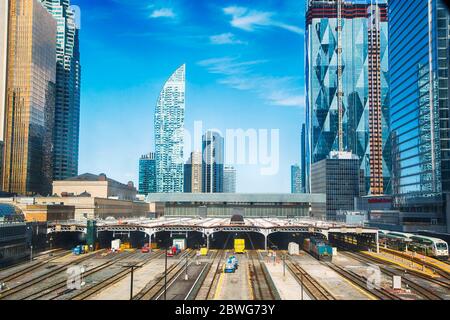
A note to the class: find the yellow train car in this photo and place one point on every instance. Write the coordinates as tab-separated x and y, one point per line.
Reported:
239	246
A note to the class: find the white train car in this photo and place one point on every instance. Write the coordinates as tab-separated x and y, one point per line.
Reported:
429	246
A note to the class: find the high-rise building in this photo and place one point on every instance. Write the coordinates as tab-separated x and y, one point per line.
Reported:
3	67
213	162
193	173
296	179
338	177
67	98
229	179
419	61
169	133
30	106
147	174
347	85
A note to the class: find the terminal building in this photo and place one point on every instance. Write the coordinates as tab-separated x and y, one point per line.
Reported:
13	235
226	205
96	186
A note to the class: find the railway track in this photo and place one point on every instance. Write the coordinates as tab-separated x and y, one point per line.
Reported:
421	290
31	268
92	290
155	289
361	282
206	291
444	274
53	291
25	261
314	289
57	270
262	289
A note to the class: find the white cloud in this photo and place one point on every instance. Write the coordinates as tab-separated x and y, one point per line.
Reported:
162	13
239	75
246	19
225	38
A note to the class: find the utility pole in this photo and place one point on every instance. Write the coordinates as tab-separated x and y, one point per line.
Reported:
186	276
165	277
31	253
301	280
132	267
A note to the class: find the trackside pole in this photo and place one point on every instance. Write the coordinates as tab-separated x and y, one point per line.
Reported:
377	239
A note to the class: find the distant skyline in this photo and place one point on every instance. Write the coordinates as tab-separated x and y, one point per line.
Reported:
244	68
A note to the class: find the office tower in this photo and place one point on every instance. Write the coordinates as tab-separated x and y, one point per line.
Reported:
338	177
169	134
147	174
348	86
213	162
229	179
29	113
67	98
419	51
3	66
296	179
193	173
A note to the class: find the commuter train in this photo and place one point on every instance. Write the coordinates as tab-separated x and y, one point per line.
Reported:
429	246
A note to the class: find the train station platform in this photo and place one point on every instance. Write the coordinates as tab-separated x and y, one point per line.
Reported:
419	258
403	262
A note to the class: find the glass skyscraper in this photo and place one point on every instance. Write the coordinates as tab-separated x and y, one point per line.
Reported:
4	10
213	162
419	61
347	85
67	99
193	174
296	179
30	105
229	179
169	133
147	174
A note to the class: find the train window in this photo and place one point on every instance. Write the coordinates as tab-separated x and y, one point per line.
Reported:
441	246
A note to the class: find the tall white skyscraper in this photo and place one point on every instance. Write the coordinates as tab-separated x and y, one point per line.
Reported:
169	133
229	179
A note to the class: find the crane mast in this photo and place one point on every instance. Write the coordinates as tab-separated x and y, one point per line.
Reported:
340	93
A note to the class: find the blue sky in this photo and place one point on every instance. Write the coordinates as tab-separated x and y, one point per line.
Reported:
245	69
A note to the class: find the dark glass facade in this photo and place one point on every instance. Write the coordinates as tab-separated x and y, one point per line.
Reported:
213	162
67	97
147	174
419	66
339	178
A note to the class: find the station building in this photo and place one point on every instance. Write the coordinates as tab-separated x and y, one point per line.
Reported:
96	186
48	209
224	205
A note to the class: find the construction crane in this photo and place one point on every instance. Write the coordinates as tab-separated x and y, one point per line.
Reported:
340	93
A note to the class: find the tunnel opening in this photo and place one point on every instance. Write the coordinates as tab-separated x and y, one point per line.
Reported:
225	240
65	240
135	239
281	240
194	240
